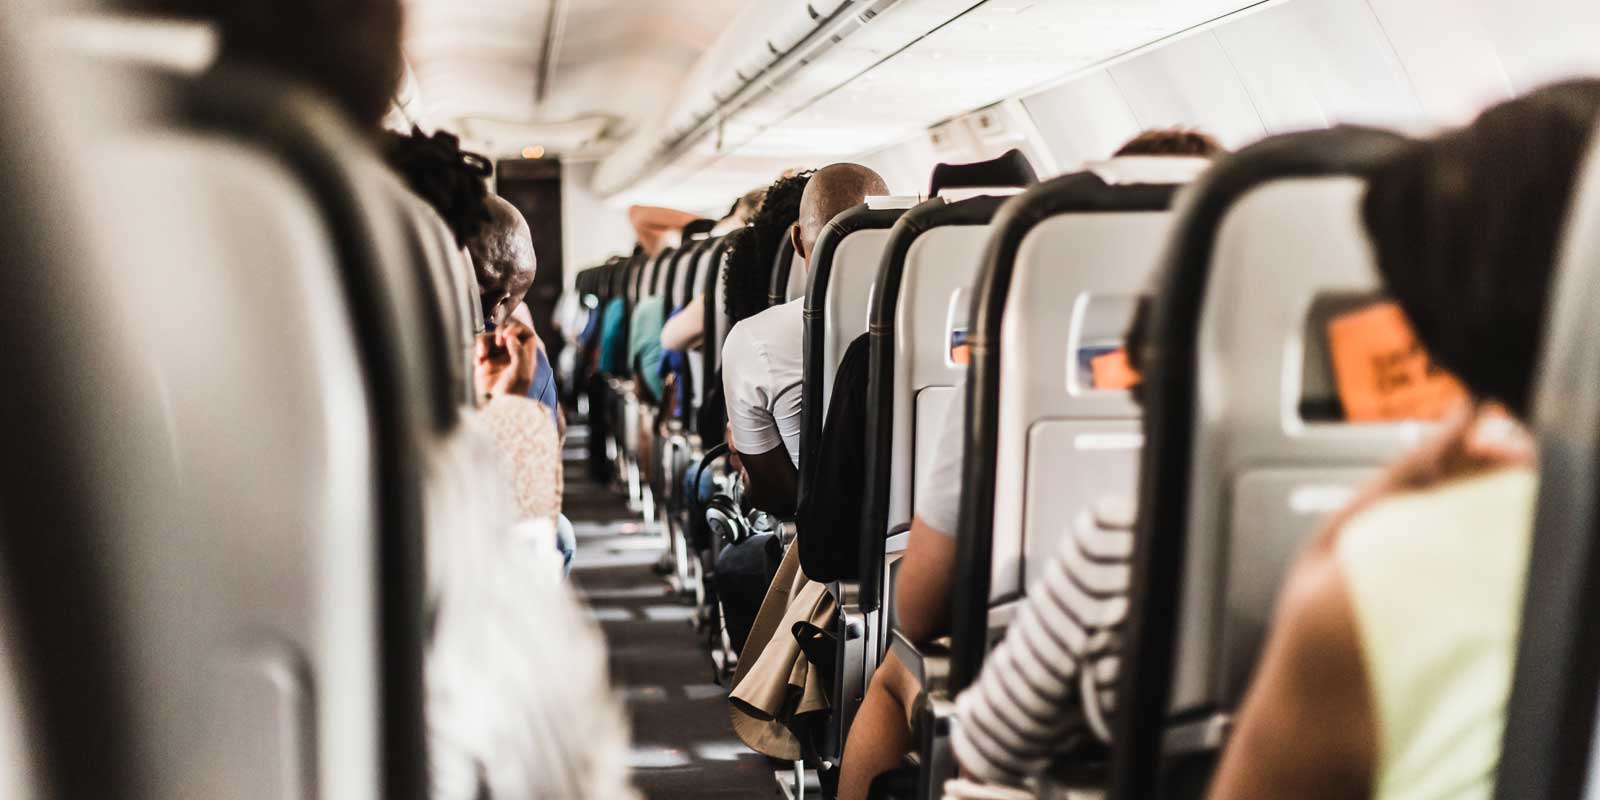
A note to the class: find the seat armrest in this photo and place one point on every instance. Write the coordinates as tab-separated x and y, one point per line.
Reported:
929	663
898	539
1000	619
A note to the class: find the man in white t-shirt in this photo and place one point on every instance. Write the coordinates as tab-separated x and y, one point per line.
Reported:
762	360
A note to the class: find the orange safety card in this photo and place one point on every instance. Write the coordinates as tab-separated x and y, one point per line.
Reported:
1382	371
1112	372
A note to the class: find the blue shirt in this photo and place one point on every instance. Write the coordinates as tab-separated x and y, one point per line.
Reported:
544	386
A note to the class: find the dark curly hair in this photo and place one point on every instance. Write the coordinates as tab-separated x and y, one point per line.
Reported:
452	180
753	249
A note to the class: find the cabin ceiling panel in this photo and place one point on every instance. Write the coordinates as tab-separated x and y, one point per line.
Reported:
477	64
1319	63
921	63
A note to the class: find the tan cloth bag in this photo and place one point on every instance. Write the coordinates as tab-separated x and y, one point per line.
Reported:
775	683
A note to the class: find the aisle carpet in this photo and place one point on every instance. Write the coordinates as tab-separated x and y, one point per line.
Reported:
683	746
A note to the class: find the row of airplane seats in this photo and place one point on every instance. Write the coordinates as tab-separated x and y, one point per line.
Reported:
1200	475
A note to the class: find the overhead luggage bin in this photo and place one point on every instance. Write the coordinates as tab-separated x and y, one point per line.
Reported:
1240	465
1550	734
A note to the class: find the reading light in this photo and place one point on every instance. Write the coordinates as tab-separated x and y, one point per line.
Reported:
536	151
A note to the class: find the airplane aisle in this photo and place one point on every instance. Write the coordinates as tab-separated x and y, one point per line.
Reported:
683	744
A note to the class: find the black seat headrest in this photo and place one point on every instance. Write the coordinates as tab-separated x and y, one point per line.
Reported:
1010	169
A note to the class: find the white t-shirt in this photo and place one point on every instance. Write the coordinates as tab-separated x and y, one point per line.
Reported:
763	364
939	491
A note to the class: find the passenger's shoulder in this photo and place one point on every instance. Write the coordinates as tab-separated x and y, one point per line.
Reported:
1314	609
1487	499
775	325
775	321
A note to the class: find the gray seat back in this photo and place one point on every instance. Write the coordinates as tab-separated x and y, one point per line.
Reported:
935	293
705	264
838	283
660	281
1550	726
1059	271
228	482
786	284
920	300
1234	479
1063	445
449	286
683	276
795	286
845	301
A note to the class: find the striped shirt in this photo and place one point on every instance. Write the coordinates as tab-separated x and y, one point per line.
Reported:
1049	687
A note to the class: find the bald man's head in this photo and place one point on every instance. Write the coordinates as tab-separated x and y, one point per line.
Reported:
503	257
832	191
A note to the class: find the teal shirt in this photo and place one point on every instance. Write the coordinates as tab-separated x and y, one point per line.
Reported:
613	350
644	343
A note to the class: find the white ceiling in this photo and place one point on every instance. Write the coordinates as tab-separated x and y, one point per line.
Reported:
616	65
631	76
918	64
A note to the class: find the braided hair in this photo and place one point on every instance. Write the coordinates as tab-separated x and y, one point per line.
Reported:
452	180
752	250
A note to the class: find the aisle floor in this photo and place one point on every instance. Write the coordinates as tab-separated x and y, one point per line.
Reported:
683	744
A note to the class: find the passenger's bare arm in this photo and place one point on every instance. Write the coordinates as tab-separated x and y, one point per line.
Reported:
922	592
772	484
1307	728
652	225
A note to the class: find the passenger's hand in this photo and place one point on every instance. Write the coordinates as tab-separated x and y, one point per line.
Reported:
505	360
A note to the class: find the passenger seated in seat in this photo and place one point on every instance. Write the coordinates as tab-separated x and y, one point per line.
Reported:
993	747
504	260
1388	667
453	182
686	326
508	714
753	251
644	347
762	359
1389	663
613	356
510	363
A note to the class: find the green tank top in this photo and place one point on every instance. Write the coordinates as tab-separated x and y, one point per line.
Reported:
1436	580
